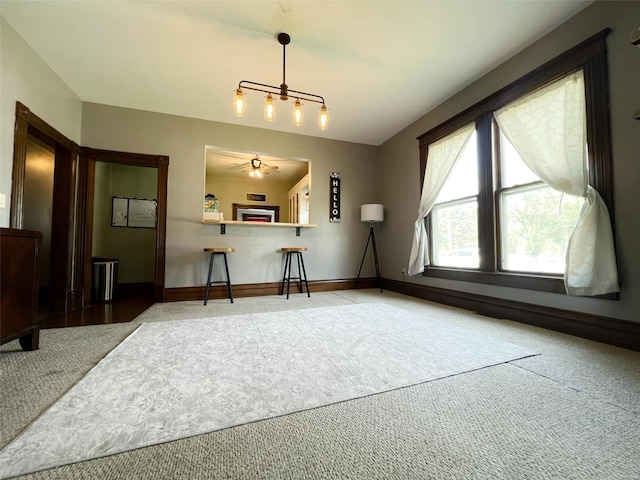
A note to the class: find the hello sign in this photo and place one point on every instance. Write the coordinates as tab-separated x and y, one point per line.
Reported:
334	197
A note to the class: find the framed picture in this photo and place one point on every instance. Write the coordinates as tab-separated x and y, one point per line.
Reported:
133	212
255	197
119	211
142	213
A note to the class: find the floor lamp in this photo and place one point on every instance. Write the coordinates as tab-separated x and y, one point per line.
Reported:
372	212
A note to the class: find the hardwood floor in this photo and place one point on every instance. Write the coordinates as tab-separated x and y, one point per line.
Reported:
117	311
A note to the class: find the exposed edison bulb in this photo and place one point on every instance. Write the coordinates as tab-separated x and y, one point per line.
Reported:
269	109
239	103
258	173
323	118
297	113
252	173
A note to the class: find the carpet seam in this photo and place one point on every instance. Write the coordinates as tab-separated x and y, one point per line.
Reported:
42	411
287	414
570	387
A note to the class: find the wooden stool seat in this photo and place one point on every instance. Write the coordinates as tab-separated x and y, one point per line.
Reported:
302	273
218	251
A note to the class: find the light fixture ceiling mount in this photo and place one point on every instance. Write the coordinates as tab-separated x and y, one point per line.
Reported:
283	92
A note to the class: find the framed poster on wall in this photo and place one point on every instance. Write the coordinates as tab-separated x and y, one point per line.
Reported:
133	212
255	197
142	213
119	211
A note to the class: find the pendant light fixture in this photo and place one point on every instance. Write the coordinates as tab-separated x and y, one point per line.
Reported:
297	113
239	104
269	109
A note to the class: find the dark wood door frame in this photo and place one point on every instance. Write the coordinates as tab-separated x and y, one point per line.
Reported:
73	207
66	279
88	157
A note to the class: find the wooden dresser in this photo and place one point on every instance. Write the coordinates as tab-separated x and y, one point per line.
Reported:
19	284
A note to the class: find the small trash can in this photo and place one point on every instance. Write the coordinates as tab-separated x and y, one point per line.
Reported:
105	277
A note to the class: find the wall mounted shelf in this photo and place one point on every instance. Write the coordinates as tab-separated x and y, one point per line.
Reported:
223	224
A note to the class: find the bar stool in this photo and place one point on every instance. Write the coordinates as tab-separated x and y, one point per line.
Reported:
302	274
218	251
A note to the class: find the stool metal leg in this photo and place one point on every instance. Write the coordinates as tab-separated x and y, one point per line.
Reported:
299	255
226	267
227	282
289	274
284	275
206	294
304	271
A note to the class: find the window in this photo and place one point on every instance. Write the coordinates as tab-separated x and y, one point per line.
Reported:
454	217
534	220
503	219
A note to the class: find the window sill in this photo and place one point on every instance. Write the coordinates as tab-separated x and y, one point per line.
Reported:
503	279
542	283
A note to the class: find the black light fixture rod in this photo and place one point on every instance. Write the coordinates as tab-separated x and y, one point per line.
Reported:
308	97
284	60
321	99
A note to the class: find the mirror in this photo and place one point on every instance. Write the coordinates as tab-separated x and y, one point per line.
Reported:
253	187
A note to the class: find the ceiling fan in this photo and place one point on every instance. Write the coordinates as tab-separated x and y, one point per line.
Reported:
256	167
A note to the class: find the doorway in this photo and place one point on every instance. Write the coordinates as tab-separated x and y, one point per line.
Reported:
60	202
109	176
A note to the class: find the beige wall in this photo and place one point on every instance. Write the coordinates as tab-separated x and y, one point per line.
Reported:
230	190
134	247
400	160
334	248
26	78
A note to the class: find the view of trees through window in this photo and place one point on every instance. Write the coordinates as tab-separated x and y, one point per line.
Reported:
454	218
494	221
534	221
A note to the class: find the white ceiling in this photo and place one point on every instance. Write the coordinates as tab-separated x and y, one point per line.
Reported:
380	65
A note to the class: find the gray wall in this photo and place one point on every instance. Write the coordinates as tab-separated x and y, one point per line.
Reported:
334	248
400	159
26	78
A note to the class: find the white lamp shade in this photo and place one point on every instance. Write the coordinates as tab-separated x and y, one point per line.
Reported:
372	212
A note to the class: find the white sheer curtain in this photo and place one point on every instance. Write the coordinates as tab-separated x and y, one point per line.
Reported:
441	158
548	129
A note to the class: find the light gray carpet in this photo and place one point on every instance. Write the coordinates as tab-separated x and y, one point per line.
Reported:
570	413
177	379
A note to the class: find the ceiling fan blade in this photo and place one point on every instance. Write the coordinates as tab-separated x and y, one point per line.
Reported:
239	166
234	155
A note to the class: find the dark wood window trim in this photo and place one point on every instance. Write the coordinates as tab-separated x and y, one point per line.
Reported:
590	56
